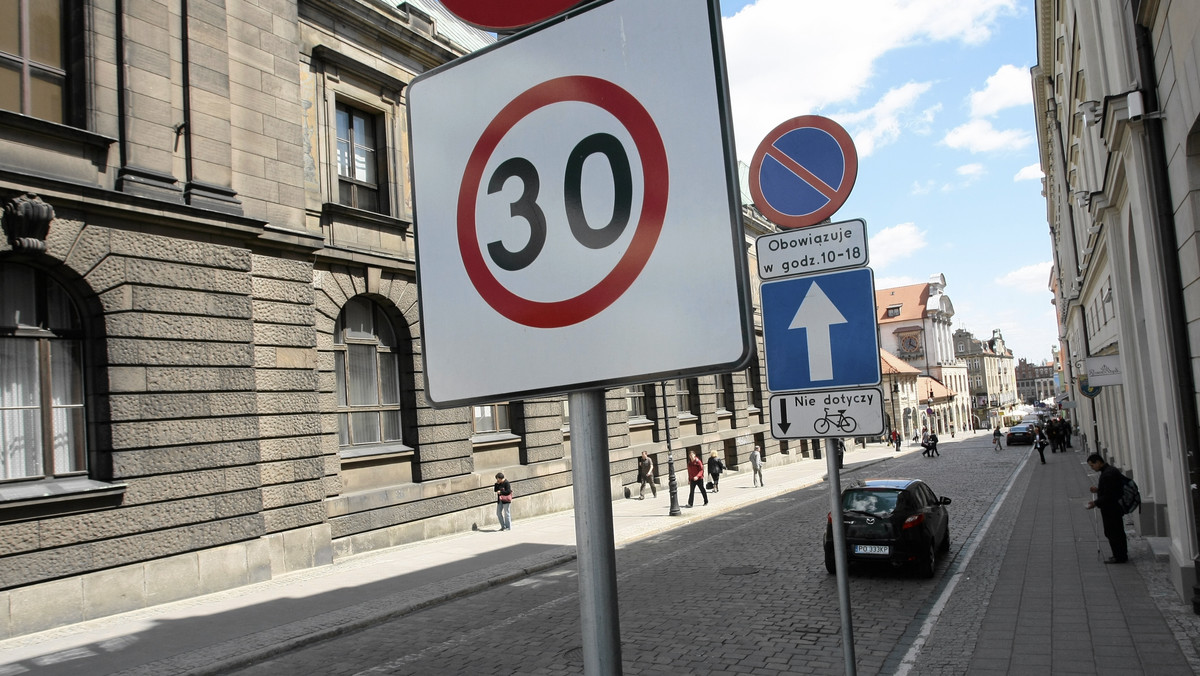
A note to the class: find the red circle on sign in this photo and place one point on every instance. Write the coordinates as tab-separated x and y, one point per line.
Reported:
836	195
630	113
498	15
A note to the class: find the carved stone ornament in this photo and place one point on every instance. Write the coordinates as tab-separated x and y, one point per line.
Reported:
27	219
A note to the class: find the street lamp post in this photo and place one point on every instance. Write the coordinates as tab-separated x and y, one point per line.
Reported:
672	486
932	424
895	394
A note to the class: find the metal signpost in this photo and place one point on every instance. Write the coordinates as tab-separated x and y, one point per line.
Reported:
567	181
819	324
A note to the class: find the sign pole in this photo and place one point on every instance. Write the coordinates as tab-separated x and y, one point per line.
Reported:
672	486
594	540
839	554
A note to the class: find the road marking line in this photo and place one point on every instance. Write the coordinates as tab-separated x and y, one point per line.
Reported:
910	658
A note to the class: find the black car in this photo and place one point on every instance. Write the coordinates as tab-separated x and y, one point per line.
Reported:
896	521
1019	434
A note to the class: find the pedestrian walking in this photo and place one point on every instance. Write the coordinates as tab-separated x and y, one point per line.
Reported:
715	467
1108	498
756	464
933	442
925	441
646	476
996	439
896	439
504	496
1039	443
1059	436
695	469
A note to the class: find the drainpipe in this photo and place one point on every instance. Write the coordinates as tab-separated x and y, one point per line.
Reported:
1087	349
1168	251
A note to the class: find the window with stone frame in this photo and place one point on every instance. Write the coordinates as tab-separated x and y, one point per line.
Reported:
358	159
41	59
754	379
635	400
490	419
724	391
43	418
685	397
366	362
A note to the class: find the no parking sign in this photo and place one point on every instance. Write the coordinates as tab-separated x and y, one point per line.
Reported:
803	171
578	223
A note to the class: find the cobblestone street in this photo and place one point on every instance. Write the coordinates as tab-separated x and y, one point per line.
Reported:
745	592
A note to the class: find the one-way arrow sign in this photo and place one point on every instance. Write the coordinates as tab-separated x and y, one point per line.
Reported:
816	315
819	331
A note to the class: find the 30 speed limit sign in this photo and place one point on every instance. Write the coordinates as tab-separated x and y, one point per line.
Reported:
576	207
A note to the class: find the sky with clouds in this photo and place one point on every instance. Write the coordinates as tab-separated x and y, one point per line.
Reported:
937	97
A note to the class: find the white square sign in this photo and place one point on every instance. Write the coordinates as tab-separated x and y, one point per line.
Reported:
578	223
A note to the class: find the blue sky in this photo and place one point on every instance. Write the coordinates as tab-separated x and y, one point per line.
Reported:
937	97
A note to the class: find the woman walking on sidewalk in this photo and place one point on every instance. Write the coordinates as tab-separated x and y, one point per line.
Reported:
996	439
715	467
503	501
695	468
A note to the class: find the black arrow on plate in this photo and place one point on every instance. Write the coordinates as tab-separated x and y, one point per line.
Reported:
783	421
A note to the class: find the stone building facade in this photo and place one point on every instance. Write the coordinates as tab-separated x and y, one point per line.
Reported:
914	325
1117	100
210	348
993	379
1035	382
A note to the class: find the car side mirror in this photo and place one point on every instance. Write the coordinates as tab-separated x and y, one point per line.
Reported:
944	501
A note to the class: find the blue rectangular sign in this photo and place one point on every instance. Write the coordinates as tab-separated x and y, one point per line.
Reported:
820	331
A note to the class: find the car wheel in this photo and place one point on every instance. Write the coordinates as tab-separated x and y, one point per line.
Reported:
945	547
928	562
830	563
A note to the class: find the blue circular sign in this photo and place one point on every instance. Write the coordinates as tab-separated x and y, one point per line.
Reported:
803	171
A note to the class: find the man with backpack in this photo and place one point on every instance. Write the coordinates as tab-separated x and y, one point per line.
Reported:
1108	498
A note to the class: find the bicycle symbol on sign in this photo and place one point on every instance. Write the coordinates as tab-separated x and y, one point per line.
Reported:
841	421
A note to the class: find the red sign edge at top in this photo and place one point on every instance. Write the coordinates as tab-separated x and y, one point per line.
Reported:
494	15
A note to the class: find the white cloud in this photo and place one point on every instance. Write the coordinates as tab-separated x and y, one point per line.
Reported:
978	136
1010	86
893	282
880	124
1031	278
1031	173
895	243
923	187
788	58
971	170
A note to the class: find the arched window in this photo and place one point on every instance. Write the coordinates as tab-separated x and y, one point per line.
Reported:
42	415
367	368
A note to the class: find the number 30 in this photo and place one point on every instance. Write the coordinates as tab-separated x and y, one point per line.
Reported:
526	206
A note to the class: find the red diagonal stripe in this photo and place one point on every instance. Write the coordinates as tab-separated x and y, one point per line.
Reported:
802	173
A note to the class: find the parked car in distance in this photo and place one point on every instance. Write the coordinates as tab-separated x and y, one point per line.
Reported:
1020	434
896	521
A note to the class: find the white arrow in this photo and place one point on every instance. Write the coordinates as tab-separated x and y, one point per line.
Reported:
816	314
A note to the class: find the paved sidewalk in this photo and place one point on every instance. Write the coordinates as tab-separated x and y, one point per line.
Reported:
217	632
1054	607
1057	608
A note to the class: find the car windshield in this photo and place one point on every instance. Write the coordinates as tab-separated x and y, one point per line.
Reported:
1020	428
875	502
